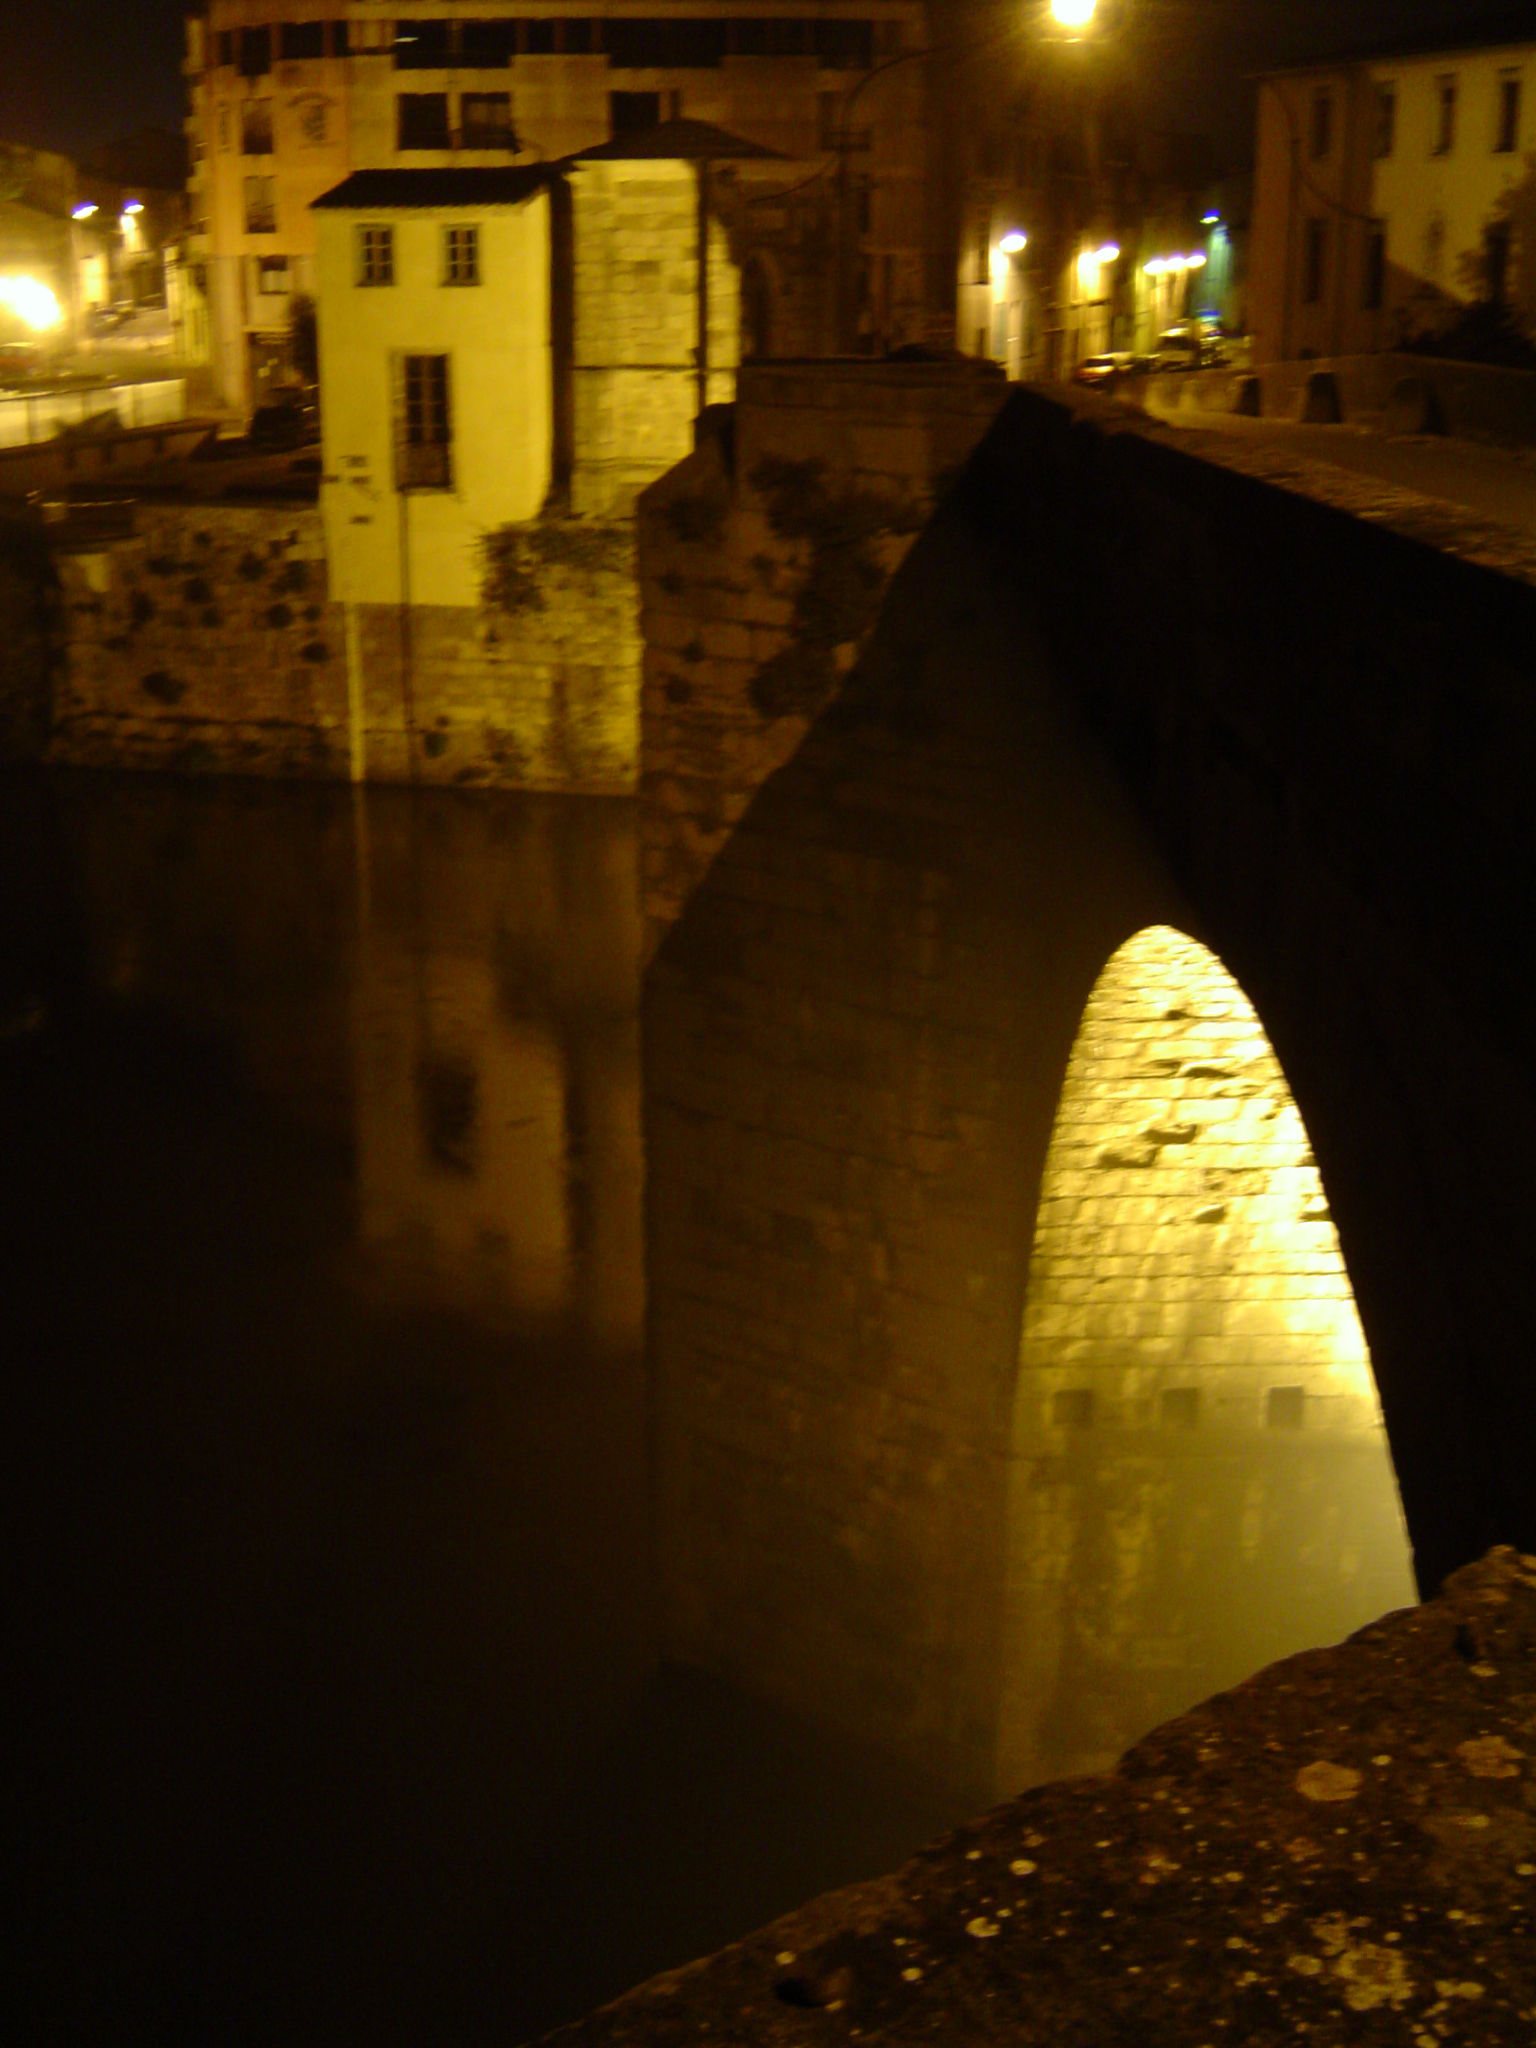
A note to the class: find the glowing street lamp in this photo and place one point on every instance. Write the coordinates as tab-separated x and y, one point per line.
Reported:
33	304
1013	242
1073	13
84	210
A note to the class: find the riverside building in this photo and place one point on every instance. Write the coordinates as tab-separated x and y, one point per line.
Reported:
287	101
1392	190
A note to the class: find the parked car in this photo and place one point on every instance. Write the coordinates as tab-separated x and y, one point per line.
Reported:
1104	372
19	359
1179	349
284	419
107	319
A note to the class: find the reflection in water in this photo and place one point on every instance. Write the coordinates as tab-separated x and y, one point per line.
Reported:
346	1719
1201	1476
348	1714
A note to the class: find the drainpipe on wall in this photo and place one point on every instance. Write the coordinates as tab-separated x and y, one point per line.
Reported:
407	703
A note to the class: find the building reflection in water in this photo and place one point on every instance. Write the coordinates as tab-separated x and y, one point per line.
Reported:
349	1713
347	1497
498	1137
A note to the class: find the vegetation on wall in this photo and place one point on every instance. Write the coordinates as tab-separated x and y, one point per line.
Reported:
516	561
844	580
1498	280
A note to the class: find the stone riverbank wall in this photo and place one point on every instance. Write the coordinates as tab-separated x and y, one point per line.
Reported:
204	639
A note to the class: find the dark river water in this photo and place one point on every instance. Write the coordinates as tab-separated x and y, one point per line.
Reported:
343	1717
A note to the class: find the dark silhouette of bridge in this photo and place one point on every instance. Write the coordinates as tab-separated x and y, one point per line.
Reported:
1112	687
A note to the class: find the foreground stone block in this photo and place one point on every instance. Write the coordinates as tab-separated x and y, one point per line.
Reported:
1343	1849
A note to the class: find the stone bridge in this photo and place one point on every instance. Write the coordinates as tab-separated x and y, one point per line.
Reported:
1089	969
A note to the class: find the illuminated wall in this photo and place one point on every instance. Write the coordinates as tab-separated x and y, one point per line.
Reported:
1201	1477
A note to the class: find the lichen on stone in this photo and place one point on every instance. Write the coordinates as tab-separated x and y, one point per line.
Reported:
516	560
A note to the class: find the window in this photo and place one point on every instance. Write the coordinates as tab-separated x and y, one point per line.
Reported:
256	127
1314	261
272	275
226	46
538	38
679	45
1496	245
425	428
1445	115
844	45
1322	124
299	39
1508	137
339	39
759	37
255	52
423	45
313	116
630	111
580	37
487	45
1373	284
485	121
1434	244
423	120
375	255
223	127
461	256
1384	133
261	206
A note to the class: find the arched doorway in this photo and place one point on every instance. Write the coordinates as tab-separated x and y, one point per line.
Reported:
1200	1477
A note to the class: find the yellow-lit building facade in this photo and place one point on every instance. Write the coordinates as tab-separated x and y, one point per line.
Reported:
500	343
435	374
287	100
1390	193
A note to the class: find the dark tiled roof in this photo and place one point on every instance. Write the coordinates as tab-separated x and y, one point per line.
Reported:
1490	29
694	141
468	185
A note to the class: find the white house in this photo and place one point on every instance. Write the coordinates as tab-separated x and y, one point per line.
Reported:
499	342
436	373
1392	189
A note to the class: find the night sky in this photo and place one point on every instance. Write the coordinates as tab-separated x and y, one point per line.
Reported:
77	73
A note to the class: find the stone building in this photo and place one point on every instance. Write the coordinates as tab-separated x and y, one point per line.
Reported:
1392	190
499	344
290	96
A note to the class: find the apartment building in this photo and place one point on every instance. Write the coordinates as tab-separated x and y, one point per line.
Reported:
1391	190
289	97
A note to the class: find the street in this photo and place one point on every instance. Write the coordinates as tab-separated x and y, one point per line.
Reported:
1497	483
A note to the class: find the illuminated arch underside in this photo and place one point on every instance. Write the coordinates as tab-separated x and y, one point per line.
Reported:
1201	1477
